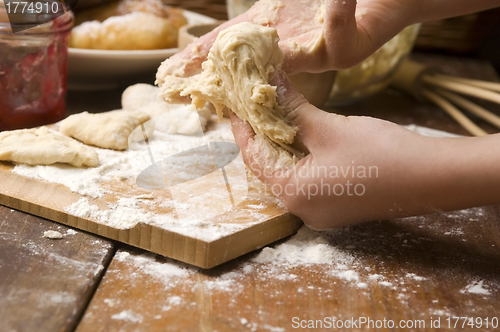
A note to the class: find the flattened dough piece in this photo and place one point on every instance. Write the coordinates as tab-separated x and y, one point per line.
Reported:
236	74
108	130
39	146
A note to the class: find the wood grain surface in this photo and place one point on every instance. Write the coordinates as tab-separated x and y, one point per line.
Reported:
45	284
418	269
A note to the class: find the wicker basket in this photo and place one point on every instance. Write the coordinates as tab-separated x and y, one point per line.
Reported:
457	34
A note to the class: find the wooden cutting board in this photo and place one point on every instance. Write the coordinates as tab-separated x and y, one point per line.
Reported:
251	224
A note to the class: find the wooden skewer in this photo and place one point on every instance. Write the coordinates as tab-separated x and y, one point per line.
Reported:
446	106
462	88
478	83
471	107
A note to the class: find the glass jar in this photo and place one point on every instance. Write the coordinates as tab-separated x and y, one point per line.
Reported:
33	72
375	73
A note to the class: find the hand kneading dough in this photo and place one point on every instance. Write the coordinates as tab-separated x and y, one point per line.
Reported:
108	130
39	146
175	118
236	75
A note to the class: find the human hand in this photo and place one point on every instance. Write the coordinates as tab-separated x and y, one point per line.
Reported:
329	34
361	168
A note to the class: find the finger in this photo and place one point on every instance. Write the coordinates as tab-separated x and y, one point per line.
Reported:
344	42
196	53
242	132
354	29
253	154
310	120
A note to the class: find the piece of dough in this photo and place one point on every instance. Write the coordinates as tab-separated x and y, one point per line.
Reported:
236	75
175	118
109	130
39	146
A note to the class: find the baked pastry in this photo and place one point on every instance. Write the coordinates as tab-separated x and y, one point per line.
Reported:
128	25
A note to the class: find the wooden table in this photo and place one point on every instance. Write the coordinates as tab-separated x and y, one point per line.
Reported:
422	270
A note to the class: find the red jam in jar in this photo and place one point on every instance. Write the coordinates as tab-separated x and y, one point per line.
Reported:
33	73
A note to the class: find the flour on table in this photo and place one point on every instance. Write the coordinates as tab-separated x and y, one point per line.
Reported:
128	315
71	232
476	287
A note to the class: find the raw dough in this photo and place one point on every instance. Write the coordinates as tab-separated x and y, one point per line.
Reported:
236	75
108	130
175	118
52	234
39	146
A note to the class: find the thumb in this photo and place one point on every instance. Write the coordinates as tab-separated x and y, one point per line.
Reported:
299	112
345	44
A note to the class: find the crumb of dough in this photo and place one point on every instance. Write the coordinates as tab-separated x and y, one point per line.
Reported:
236	75
40	146
52	235
109	130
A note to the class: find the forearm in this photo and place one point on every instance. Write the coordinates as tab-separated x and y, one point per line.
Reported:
448	174
472	177
417	175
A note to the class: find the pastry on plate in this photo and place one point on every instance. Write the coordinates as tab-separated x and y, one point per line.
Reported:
128	25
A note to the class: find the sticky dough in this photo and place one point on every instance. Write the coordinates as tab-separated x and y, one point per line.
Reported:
109	130
236	74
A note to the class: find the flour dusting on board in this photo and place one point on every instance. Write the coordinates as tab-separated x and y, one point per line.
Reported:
133	205
128	210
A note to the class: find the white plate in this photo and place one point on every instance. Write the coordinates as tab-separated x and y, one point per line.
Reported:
103	69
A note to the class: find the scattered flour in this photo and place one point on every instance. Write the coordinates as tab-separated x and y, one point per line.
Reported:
128	315
414	276
476	287
305	247
131	208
